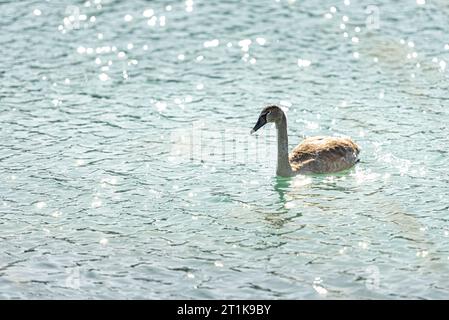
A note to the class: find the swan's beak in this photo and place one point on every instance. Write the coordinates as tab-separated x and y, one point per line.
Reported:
260	123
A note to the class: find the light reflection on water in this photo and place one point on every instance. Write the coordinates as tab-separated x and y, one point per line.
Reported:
128	170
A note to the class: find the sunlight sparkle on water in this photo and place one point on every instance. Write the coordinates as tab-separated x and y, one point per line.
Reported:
103	77
56	214
363	245
96	203
363	176
211	43
152	22
285	103
301	181
56	102
289	205
261	41
304	63
161	106
312	125
81	50
422	254
110	180
244	44
189	5
318	287
41	204
148	13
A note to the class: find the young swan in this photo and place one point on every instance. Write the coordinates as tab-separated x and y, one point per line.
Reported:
313	155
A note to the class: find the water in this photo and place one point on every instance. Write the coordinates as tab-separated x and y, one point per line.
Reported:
133	174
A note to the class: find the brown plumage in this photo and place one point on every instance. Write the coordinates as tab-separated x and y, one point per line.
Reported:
324	155
314	154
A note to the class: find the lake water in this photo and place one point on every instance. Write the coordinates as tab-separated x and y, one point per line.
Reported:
127	169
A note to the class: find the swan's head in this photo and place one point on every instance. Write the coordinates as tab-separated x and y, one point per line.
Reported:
268	114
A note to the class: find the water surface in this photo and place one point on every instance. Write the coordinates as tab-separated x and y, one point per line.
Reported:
127	169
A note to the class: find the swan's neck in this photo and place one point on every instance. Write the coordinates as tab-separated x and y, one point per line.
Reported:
284	168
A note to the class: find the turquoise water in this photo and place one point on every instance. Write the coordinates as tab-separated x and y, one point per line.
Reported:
127	169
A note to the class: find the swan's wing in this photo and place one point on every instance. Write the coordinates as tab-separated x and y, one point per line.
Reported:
324	154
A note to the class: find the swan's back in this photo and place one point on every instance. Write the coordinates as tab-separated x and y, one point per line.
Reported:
324	155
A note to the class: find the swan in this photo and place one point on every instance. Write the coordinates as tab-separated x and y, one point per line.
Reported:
314	155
